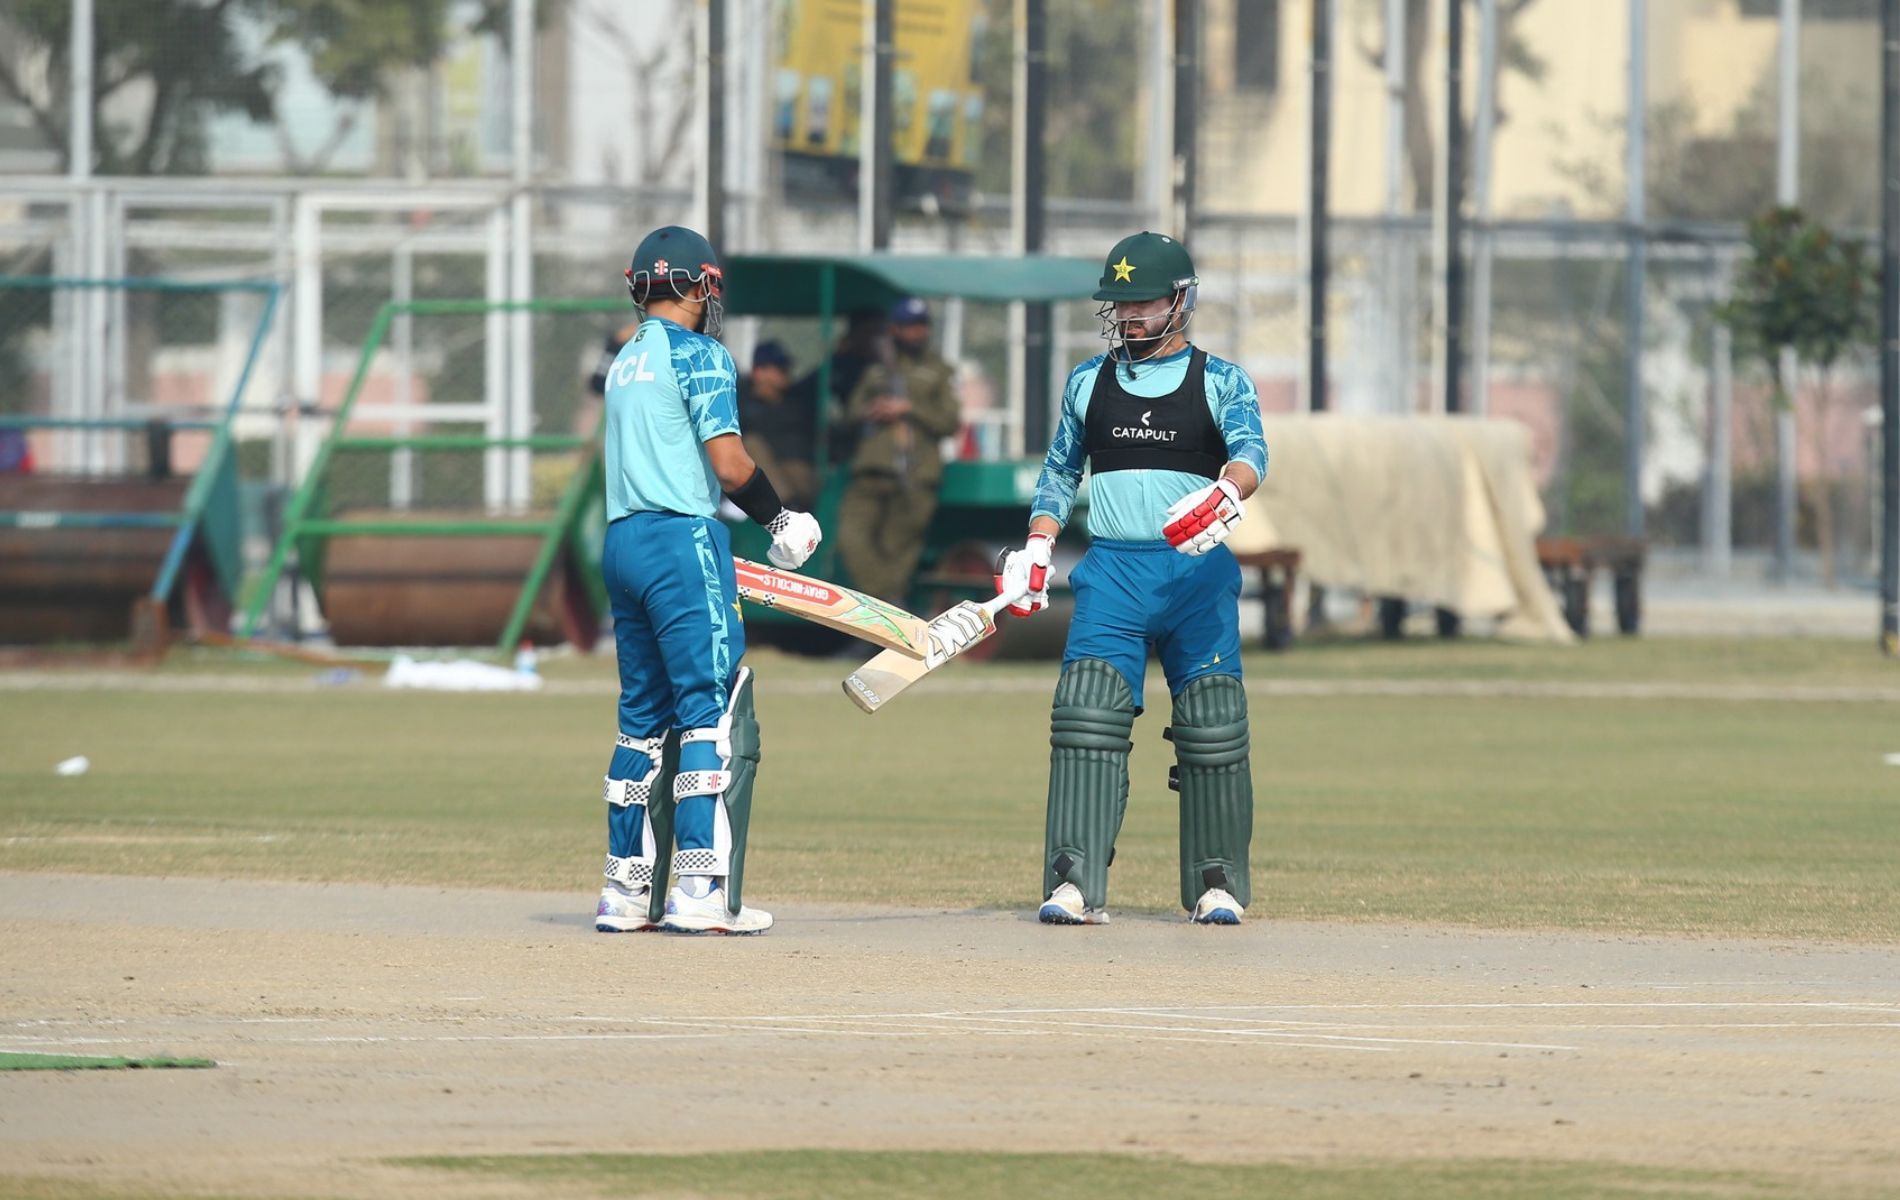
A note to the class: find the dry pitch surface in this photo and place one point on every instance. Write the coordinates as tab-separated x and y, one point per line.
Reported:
357	1023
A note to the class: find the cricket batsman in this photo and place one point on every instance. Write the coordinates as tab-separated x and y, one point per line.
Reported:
1172	436
679	787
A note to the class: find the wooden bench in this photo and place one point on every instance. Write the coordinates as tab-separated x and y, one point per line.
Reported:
1279	570
1571	563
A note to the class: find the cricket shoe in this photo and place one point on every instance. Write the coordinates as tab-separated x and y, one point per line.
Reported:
707	914
1064	907
1216	907
622	910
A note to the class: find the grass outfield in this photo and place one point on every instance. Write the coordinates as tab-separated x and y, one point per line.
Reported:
1763	818
937	1175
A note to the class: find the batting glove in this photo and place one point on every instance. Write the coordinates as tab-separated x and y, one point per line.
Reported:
794	536
1027	570
1200	521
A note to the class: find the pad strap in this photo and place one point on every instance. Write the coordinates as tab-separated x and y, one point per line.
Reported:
630	872
623	792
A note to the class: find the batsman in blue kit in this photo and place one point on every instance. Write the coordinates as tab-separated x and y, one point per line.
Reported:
679	787
1172	438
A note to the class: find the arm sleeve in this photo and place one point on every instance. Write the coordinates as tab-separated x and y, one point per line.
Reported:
1062	466
711	385
936	412
1236	407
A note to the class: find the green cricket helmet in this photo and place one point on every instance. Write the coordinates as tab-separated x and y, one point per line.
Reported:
677	259
1146	266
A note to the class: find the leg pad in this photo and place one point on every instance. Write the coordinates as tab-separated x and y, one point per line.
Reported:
1215	779
1089	727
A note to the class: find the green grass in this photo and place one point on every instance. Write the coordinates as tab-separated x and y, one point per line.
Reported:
930	1175
862	1175
10	1061
1770	819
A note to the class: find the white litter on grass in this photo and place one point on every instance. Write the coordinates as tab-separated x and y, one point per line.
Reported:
78	764
462	675
1892	760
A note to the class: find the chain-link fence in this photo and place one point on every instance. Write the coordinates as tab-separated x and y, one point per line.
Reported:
380	169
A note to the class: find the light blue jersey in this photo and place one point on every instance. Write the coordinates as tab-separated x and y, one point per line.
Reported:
669	392
1132	505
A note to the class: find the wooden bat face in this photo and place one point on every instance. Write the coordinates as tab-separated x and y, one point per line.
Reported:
834	606
887	675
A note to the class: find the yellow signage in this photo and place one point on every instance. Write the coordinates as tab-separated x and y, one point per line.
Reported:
936	100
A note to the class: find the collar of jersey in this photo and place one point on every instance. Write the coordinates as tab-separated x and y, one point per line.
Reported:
671	324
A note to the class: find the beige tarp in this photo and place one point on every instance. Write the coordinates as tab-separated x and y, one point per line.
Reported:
1437	510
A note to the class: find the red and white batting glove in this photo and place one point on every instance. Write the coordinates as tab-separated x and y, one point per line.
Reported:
1027	570
1200	521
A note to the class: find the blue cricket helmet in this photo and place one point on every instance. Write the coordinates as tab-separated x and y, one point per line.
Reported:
679	258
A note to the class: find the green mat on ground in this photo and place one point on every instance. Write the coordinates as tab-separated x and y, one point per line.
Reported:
74	1062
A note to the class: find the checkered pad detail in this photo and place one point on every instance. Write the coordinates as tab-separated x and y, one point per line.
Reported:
696	862
630	872
625	792
700	783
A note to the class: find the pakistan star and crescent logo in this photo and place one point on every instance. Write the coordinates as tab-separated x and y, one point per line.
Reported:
1124	273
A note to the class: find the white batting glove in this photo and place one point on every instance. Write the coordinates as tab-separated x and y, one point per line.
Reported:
1027	570
1200	521
794	536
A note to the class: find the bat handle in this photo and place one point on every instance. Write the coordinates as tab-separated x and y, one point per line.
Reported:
1002	600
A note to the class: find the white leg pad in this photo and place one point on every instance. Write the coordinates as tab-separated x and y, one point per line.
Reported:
636	870
716	860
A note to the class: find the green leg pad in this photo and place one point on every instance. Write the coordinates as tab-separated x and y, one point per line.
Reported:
660	811
745	768
1216	784
1088	777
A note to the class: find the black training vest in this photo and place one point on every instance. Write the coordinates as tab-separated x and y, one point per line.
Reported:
1175	432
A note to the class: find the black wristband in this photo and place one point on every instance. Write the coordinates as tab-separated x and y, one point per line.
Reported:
757	498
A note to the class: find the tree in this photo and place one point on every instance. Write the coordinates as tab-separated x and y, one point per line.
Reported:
1091	122
1514	55
191	60
1804	289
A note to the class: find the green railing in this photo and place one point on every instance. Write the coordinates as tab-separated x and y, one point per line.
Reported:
302	521
216	477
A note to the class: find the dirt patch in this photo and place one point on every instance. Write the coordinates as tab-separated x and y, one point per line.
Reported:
357	1022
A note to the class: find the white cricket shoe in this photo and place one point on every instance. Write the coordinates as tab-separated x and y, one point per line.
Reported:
707	914
623	910
1216	907
1064	907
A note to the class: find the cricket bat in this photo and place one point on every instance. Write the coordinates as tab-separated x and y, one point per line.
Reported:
888	674
900	633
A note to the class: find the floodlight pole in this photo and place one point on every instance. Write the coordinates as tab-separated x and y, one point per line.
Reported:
875	168
1635	423
1889	340
1451	228
521	254
1187	98
1319	138
1038	319
715	117
1787	193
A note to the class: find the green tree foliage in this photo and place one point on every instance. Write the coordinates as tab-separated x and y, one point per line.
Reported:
191	60
1802	288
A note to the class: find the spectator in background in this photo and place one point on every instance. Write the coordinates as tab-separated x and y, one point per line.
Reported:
856	350
903	406
781	425
16	453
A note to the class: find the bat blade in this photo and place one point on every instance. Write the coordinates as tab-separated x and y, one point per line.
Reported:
888	675
834	606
